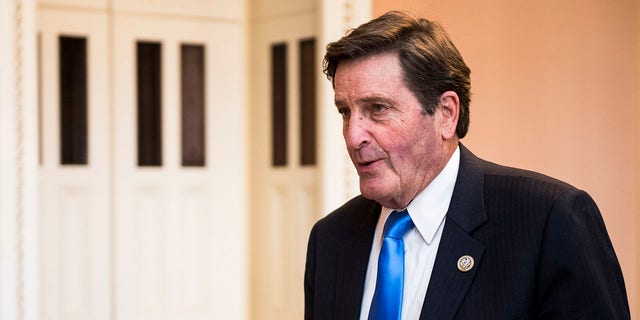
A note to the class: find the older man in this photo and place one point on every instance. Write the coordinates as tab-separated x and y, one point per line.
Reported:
437	232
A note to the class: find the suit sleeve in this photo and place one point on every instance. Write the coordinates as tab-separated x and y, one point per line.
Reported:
579	274
309	278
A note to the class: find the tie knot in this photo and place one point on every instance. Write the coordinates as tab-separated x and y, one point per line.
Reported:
398	223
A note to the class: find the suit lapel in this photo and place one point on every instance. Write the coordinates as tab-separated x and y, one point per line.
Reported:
352	262
449	285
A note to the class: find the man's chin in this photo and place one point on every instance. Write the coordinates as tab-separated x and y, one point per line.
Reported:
382	196
373	193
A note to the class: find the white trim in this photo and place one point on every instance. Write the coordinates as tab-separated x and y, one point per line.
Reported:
29	163
18	162
8	227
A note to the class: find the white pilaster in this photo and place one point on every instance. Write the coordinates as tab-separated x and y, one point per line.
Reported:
8	225
18	161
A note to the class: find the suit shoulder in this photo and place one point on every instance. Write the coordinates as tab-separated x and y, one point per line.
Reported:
504	181
511	180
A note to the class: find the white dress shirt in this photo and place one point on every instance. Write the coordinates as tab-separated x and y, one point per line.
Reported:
427	210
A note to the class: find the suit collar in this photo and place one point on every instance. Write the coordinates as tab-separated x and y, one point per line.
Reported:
448	285
467	202
367	217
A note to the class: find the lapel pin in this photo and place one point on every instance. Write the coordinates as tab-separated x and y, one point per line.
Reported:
465	263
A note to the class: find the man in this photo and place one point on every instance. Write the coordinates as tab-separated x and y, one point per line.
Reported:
479	241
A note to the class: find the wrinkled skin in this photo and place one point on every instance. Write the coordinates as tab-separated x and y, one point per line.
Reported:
394	145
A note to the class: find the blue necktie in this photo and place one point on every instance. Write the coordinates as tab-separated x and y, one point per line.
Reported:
387	299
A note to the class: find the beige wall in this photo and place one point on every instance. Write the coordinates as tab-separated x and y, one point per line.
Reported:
555	87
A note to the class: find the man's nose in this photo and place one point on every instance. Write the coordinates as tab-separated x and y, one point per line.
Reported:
356	133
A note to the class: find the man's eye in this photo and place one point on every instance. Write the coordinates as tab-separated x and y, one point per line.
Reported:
378	107
345	112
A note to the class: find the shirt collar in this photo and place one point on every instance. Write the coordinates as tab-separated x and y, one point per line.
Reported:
429	207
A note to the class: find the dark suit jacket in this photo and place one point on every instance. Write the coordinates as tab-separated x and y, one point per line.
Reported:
540	247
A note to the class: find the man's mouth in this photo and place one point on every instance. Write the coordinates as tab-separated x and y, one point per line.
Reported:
366	164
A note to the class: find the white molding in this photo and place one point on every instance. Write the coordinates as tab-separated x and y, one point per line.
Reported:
8	227
29	163
18	161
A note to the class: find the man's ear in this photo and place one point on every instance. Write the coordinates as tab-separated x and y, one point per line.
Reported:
449	110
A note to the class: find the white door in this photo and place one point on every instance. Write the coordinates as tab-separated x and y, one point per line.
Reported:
134	230
75	203
284	165
180	247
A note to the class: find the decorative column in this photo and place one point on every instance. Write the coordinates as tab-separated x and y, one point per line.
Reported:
338	176
18	161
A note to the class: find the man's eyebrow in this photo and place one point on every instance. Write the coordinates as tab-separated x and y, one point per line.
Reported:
365	100
373	99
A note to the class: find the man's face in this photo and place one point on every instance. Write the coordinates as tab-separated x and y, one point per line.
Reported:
396	148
